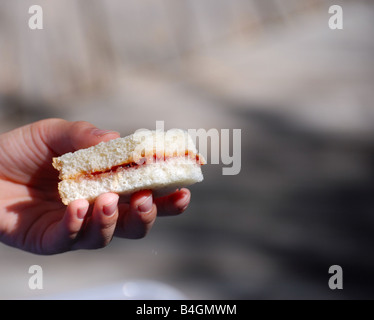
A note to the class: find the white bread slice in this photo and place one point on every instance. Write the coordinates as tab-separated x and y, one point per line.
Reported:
105	155
162	178
87	173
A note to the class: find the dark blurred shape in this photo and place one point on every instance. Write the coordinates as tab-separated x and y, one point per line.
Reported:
17	110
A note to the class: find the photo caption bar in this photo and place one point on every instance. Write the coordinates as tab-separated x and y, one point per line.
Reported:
170	308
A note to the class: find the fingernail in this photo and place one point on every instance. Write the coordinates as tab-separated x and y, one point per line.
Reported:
182	209
183	202
110	208
99	133
183	206
146	205
81	212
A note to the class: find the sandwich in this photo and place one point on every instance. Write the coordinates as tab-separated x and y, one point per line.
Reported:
153	160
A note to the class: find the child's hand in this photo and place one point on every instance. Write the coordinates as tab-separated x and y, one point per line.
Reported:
32	216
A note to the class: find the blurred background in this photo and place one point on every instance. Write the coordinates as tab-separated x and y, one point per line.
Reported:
302	95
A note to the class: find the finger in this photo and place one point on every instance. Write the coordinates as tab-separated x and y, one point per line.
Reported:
173	204
101	225
65	233
63	136
136	219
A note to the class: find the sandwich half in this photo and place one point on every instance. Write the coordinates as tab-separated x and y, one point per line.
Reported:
154	160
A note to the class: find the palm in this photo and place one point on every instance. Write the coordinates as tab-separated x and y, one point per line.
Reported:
31	220
28	194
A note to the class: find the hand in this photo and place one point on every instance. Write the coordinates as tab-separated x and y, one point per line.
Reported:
32	216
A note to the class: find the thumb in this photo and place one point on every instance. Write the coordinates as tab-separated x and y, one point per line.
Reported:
63	136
